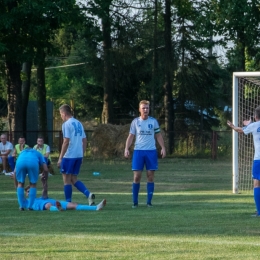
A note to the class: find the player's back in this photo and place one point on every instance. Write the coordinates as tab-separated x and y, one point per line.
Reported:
29	155
73	130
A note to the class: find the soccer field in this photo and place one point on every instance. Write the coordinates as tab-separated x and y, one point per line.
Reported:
195	216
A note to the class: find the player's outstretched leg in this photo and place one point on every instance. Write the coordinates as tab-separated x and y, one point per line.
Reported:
100	206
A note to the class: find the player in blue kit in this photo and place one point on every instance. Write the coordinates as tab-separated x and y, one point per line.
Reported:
28	163
254	129
55	205
71	155
144	129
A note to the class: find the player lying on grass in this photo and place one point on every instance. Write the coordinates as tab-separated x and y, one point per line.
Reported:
55	205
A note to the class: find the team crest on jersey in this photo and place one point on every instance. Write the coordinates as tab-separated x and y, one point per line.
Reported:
150	126
258	129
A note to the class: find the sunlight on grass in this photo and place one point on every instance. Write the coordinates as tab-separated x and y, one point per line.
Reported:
195	216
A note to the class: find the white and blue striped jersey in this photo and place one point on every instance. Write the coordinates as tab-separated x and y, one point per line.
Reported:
73	130
144	131
254	128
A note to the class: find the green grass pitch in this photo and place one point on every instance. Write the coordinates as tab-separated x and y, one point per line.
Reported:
195	216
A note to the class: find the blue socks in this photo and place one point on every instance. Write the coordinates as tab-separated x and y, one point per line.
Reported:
32	196
86	207
20	196
79	185
67	192
257	199
150	190
135	192
53	208
82	188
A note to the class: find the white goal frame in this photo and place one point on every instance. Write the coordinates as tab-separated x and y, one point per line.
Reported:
235	119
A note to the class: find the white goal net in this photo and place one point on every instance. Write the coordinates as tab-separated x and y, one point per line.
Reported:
246	97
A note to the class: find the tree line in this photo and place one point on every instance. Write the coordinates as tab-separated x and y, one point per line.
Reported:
123	51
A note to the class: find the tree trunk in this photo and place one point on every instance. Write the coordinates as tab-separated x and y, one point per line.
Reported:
107	113
41	96
14	97
168	98
26	84
155	59
242	50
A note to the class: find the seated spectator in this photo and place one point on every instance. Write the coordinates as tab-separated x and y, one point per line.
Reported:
44	149
18	148
6	149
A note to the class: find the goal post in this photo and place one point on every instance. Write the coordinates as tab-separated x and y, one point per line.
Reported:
246	97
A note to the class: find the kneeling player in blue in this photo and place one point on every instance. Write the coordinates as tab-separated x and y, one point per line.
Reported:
28	162
55	205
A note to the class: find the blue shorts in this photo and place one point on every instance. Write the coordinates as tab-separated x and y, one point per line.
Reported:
70	165
27	167
62	203
47	160
256	170
145	157
39	204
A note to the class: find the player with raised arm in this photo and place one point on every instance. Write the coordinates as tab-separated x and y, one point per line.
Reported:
254	129
144	129
71	155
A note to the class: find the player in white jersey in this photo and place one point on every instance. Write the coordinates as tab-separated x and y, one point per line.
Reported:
144	129
254	129
71	155
6	149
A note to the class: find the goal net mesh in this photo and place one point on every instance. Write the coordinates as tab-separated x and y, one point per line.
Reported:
248	100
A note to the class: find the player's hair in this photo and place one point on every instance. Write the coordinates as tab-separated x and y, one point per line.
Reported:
66	109
144	102
257	112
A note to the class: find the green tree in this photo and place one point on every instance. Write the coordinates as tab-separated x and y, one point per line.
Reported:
26	26
237	21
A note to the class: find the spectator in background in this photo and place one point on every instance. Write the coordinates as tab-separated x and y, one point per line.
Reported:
44	149
6	149
18	148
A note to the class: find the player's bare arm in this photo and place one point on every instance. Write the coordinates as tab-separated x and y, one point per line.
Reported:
161	143
64	148
84	145
129	141
235	128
